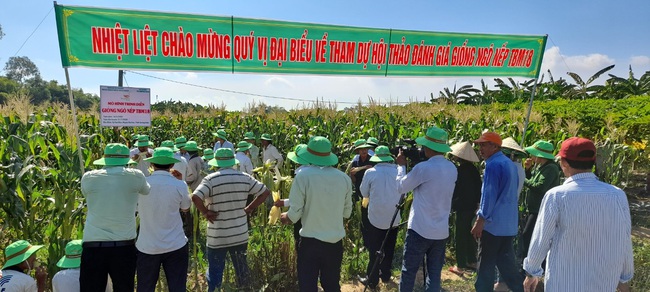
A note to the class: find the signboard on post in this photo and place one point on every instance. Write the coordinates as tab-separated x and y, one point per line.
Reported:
125	106
161	41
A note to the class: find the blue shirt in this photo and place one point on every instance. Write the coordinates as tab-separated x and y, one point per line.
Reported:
499	196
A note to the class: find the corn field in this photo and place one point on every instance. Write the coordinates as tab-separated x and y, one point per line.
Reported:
41	200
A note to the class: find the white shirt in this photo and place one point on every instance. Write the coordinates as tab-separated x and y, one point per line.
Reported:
521	173
380	186
14	281
432	182
356	156
142	165
226	144
161	227
182	165
245	164
272	153
584	233
68	281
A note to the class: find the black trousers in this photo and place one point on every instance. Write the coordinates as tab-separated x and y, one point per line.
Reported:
174	264
527	233
375	238
318	258
365	223
99	262
466	246
497	251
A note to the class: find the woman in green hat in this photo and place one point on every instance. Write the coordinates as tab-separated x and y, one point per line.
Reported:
270	152
67	279
208	154
542	174
254	151
245	164
194	165
356	169
142	151
20	259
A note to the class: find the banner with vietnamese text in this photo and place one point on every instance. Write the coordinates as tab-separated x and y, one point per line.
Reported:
128	39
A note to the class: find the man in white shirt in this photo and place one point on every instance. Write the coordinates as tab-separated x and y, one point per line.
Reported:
179	143
583	205
68	278
143	151
20	259
245	164
380	187
432	182
161	240
270	153
254	151
181	165
222	140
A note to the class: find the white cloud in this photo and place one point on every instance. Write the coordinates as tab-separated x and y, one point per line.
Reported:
640	62
583	65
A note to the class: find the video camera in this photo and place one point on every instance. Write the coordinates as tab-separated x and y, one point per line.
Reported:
413	153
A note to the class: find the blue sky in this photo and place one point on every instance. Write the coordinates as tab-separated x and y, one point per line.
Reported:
584	36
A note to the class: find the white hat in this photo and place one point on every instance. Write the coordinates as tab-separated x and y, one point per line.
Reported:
512	144
464	150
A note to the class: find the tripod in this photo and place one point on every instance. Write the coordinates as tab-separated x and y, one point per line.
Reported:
380	252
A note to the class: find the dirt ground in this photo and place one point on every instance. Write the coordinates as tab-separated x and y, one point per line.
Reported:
446	276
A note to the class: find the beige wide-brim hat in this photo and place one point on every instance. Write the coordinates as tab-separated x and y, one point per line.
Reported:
512	144
464	150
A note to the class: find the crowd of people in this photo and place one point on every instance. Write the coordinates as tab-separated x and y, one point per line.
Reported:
576	234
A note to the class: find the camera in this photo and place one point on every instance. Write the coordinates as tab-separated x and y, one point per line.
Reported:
413	153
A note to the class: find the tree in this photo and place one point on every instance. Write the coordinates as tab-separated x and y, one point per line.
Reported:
461	95
20	69
554	89
1	33
621	87
584	90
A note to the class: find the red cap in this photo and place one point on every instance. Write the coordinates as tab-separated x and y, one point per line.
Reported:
573	146
489	137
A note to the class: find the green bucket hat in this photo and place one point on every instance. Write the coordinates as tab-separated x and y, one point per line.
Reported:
541	148
382	154
115	154
19	252
435	139
180	142
318	152
294	157
163	156
72	257
361	144
266	137
208	154
191	146
243	146
224	157
169	144
372	141
221	134
143	141
249	136
135	137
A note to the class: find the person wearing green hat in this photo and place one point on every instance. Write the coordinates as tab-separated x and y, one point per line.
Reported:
179	143
208	154
142	151
432	182
373	143
321	197
181	165
245	164
110	229
270	152
225	193
542	174
254	151
356	169
380	187
162	241
222	140
194	165
67	279
20	259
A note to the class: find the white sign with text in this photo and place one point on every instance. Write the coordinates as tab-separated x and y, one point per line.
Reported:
125	106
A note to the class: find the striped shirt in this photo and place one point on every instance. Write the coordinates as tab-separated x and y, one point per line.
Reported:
225	191
584	226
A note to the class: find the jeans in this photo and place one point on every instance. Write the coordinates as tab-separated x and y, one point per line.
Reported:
375	238
217	263
497	251
318	258
415	248
174	264
465	244
99	262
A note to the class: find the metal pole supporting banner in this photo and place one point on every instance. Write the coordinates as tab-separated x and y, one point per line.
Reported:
530	108
75	123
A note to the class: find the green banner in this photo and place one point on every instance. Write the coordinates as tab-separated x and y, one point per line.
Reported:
129	39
